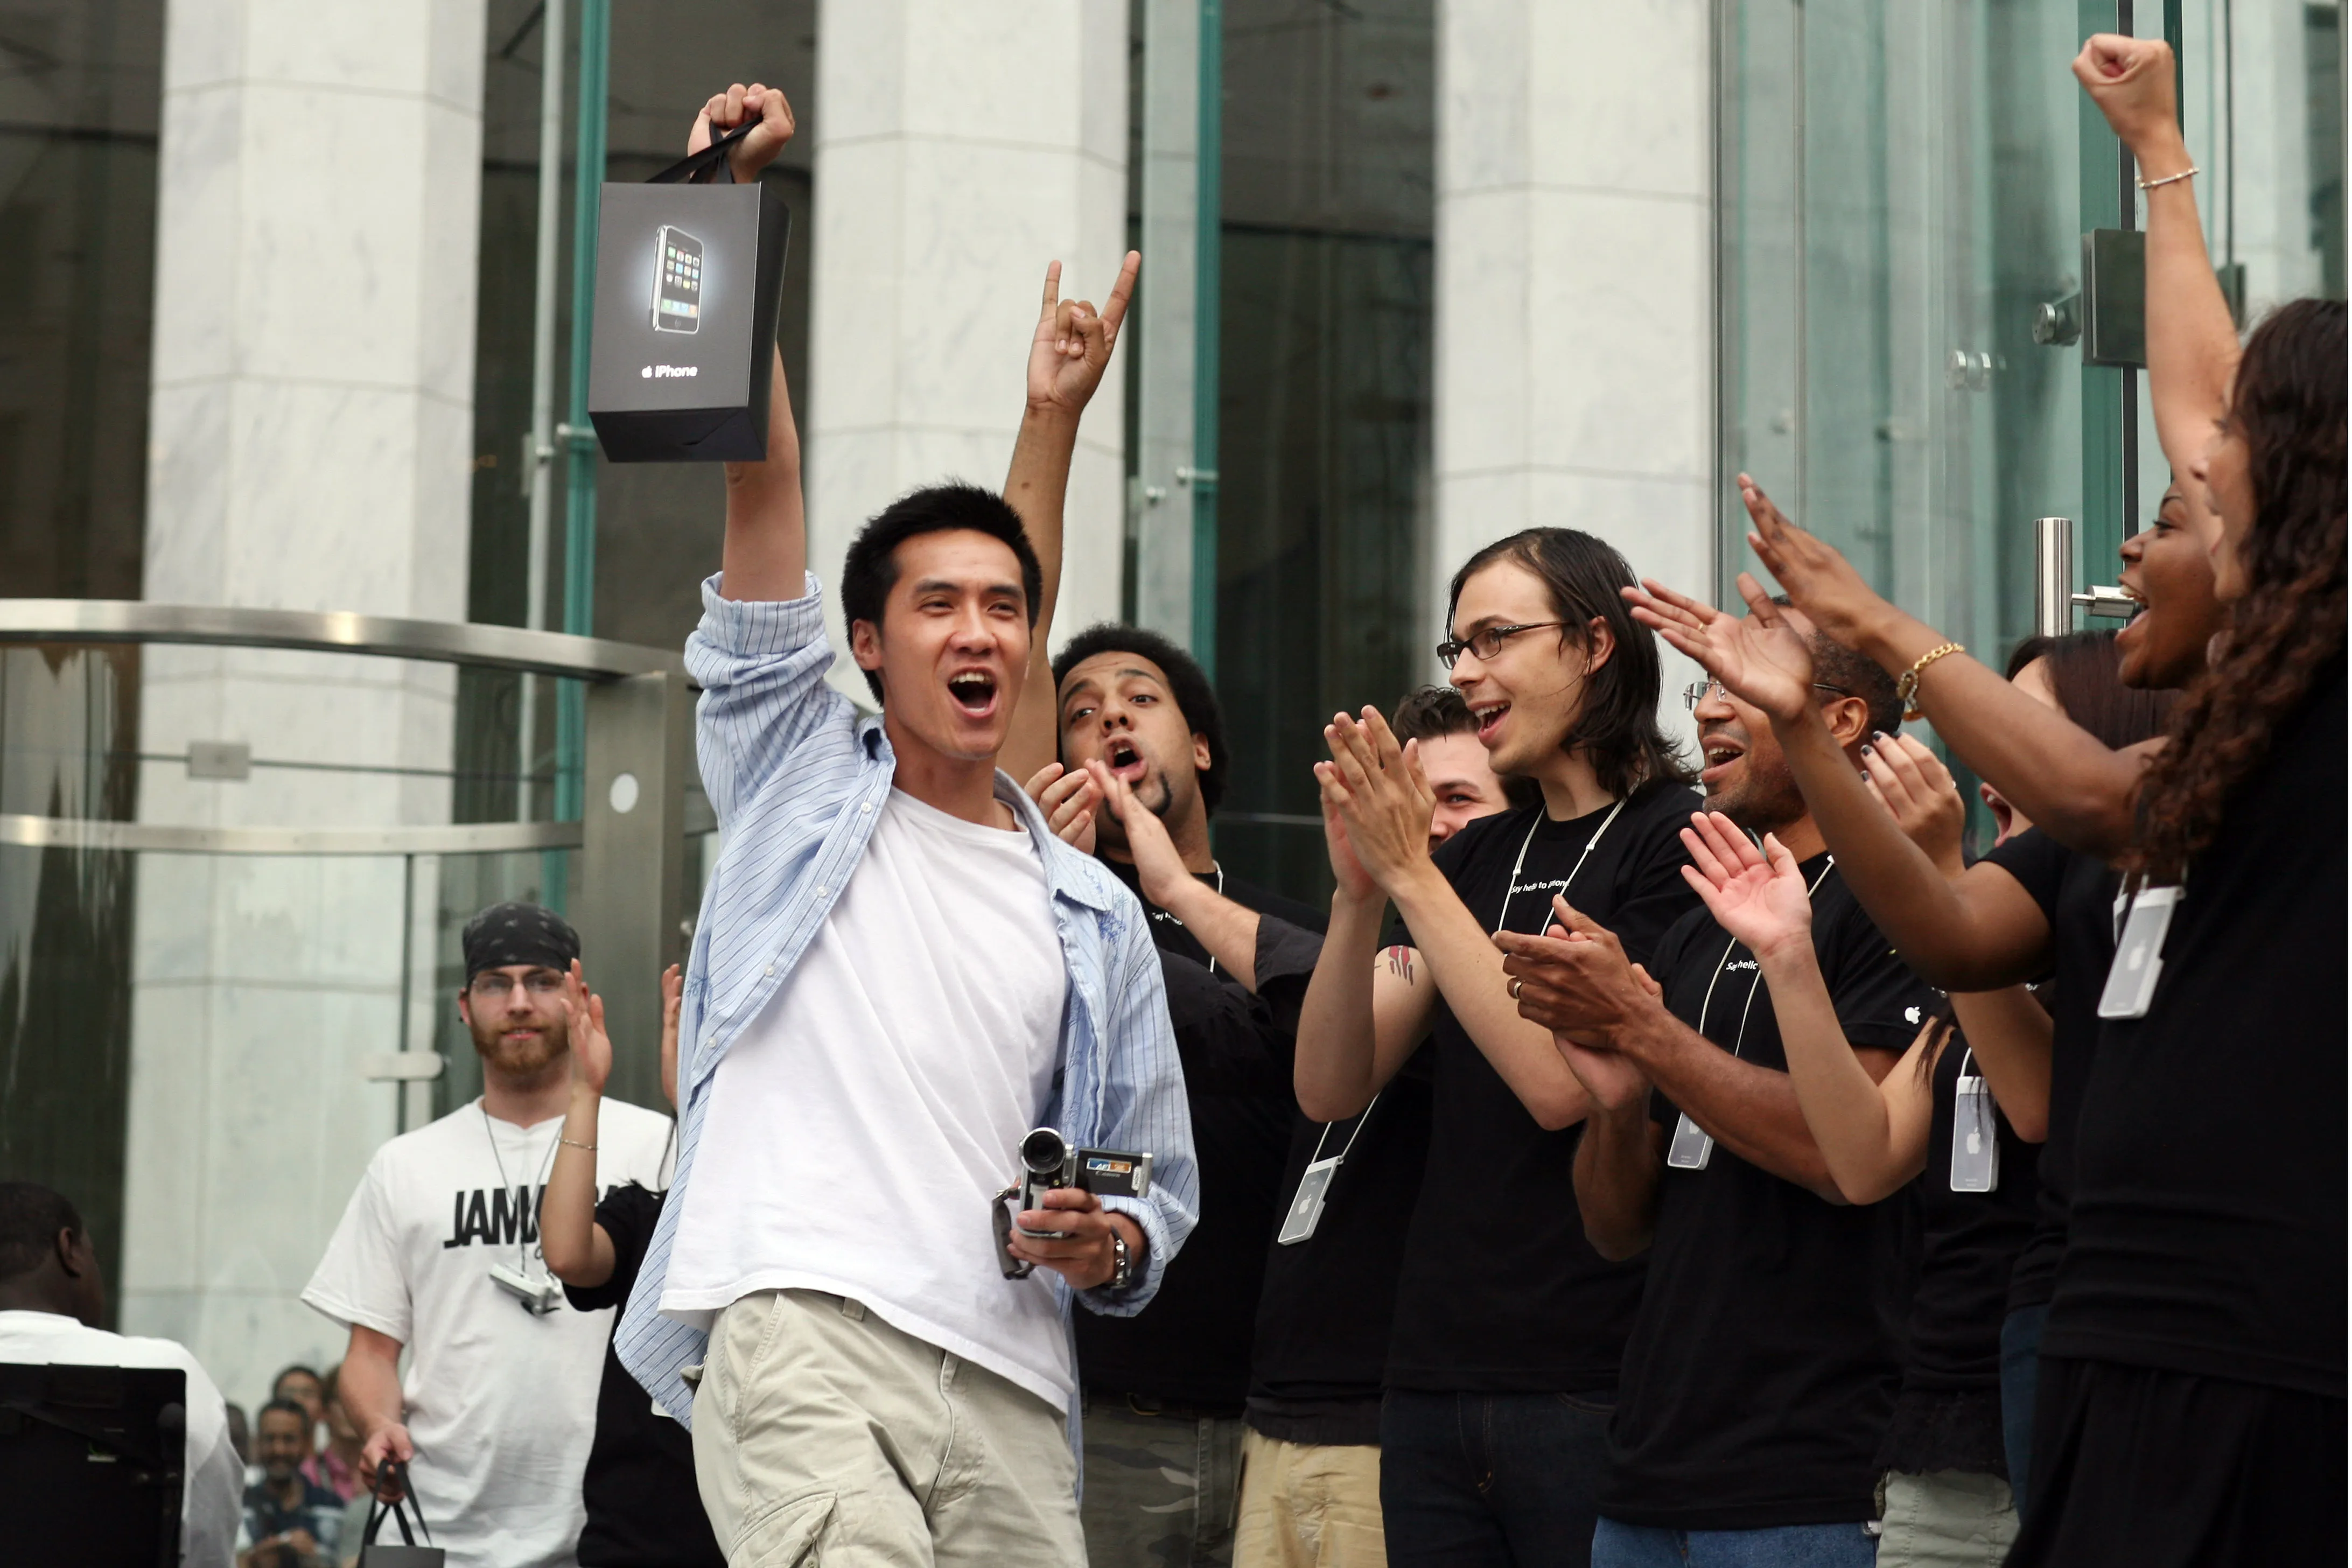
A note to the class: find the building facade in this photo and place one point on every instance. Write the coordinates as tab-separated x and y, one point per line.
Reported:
1424	273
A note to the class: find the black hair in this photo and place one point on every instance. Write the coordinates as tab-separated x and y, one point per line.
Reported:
1618	730
2085	675
286	1371
870	570
31	1216
1834	663
1187	683
1427	712
285	1407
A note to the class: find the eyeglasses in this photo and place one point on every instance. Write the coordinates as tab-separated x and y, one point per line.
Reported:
1695	695
1485	643
490	984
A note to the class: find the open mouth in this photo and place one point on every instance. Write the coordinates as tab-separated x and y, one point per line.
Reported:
973	690
1122	757
1490	719
1719	754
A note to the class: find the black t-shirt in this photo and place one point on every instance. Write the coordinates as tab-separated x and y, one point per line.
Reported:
1764	1365
1190	1345
1500	1291
643	1510
2076	893
1329	1304
2207	1235
1968	1242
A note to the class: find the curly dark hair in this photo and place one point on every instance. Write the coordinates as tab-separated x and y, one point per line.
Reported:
1187	684
2289	406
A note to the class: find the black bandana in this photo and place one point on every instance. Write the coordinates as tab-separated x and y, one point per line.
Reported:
518	934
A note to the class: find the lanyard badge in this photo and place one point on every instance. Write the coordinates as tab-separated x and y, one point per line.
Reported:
1305	1211
1976	1143
2131	980
1691	1148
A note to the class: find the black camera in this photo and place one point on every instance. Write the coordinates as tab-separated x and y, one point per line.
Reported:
1048	1161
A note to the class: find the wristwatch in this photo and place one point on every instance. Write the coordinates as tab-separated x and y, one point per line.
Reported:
1122	1263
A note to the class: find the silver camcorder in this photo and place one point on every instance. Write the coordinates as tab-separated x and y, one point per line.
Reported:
1048	1161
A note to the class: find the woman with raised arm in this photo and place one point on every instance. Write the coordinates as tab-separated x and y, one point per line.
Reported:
2191	1407
1509	1327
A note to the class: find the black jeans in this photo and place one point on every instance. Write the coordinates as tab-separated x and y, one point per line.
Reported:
1491	1480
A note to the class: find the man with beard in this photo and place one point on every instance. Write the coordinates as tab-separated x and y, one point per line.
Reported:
1763	1363
439	1253
1141	736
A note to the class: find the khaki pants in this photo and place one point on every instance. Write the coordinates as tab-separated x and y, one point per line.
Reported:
1310	1506
822	1435
1951	1519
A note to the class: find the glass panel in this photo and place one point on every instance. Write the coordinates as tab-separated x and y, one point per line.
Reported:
1898	198
80	83
1324	391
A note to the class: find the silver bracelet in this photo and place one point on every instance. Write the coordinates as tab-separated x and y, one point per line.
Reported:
2168	179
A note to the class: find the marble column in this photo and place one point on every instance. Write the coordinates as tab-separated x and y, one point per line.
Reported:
959	145
1575	314
312	434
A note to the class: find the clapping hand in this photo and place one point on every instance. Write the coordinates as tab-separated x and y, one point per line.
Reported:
1758	895
1762	660
1380	795
673	989
1073	342
591	1048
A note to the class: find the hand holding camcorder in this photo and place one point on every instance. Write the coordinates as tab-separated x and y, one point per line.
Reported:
1048	1161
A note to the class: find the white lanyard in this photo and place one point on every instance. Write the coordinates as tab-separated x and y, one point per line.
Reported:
1740	1038
1512	887
1692	1146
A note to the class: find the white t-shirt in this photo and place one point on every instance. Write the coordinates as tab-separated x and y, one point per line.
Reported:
859	1126
212	1506
501	1402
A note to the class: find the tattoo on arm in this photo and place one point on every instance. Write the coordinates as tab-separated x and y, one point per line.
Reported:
1401	962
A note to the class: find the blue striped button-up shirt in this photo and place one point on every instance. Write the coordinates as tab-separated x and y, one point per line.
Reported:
798	778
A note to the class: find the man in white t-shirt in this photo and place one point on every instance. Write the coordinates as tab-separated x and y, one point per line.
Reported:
899	973
438	1252
51	1299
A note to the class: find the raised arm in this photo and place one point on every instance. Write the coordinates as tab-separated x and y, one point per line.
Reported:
1067	354
1977	932
2074	788
1387	805
1365	1011
2193	344
578	1251
1871	1131
767	532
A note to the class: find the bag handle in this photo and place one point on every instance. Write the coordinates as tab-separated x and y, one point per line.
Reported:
699	167
398	1509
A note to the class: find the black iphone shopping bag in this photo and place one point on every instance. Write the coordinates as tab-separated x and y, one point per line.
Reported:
688	279
408	1554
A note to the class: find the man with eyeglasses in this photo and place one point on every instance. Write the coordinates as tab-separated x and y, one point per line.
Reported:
1760	1373
439	1253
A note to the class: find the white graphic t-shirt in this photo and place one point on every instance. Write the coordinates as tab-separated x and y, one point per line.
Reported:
501	1401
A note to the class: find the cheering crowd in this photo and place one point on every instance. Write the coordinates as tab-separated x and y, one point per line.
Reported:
1644	1160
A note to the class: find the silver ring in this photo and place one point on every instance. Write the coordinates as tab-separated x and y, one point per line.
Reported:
1515	987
